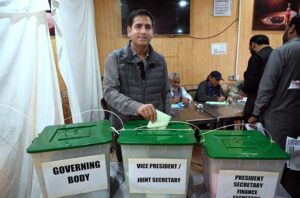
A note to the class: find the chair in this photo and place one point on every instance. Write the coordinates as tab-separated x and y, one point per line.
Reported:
105	106
192	92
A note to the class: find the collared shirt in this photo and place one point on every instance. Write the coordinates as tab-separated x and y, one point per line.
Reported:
137	59
180	93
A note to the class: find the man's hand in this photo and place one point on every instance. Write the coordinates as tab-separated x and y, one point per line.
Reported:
221	99
242	93
229	99
240	97
175	100
252	120
185	100
147	111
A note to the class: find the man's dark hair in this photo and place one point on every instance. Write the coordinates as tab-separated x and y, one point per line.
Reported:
296	21
140	12
259	39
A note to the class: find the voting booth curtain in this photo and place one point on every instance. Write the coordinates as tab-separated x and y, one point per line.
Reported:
29	92
78	57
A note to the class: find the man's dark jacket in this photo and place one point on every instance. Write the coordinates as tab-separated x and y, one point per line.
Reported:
252	76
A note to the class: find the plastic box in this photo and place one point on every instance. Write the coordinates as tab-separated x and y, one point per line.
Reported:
246	151
173	143
66	143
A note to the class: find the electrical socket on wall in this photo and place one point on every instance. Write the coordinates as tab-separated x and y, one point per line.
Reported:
234	77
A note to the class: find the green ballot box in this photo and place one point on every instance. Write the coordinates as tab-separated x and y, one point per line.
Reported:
73	160
156	161
241	164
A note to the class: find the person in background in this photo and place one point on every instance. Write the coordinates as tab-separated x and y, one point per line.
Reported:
135	78
260	50
235	90
210	89
279	106
178	94
287	15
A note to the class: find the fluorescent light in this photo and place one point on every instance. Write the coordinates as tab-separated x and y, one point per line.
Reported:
183	3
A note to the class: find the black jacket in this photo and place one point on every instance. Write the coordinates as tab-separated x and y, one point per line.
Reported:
203	95
252	76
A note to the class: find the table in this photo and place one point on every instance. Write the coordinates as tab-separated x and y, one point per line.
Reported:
191	114
225	113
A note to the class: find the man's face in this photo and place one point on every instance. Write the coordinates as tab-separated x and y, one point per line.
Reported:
288	33
285	36
251	48
141	31
175	83
213	81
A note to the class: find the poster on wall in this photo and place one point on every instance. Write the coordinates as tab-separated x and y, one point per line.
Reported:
273	14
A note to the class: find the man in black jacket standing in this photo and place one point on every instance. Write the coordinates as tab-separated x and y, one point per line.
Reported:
260	50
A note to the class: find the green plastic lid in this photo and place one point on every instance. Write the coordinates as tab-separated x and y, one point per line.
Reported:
59	137
227	144
174	134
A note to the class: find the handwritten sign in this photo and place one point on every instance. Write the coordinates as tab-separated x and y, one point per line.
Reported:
76	175
163	176
233	183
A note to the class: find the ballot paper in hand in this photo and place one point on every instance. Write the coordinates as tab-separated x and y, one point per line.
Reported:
162	120
257	126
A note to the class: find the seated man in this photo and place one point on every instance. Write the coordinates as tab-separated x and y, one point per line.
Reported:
210	89
178	94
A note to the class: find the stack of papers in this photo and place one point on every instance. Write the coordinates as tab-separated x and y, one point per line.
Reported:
177	106
216	103
161	122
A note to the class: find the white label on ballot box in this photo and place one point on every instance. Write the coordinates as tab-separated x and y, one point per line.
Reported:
234	183
155	175
76	175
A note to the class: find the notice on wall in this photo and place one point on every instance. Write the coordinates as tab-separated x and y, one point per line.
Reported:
222	7
163	176
218	48
255	184
76	175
